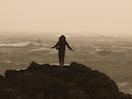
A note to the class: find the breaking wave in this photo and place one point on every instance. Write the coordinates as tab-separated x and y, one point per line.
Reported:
21	44
41	49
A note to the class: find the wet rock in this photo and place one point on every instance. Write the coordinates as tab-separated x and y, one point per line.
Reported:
12	94
45	81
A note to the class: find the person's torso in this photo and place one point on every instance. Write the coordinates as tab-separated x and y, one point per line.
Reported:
61	46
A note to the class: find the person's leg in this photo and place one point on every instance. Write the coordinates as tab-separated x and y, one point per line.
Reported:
60	62
63	62
62	58
59	58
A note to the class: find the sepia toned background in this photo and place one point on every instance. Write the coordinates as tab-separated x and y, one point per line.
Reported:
99	31
66	15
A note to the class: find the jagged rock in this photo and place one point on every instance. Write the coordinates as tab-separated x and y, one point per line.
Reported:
75	81
1	77
11	94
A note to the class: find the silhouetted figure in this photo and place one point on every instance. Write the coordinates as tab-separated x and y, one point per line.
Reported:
60	45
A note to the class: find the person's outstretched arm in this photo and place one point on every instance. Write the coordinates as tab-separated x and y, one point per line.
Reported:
55	45
69	46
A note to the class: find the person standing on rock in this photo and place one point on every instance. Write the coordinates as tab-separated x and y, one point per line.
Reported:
60	46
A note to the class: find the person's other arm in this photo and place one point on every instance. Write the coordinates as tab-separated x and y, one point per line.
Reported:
55	45
69	46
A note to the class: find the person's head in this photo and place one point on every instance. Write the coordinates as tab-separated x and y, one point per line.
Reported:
62	38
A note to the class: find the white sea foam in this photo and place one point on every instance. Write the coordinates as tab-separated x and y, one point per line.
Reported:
18	44
123	84
130	90
21	44
59	64
128	48
41	49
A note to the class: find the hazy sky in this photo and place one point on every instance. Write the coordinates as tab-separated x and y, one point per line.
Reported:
66	15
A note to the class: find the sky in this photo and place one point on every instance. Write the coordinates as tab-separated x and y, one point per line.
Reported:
66	15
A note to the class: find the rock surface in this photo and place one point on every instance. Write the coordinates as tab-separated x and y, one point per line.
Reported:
52	82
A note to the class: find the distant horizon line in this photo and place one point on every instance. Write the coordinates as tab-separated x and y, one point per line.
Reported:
23	31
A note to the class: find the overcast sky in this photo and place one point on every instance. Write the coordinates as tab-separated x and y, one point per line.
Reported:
66	15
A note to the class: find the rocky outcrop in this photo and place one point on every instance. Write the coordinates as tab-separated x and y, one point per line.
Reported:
53	82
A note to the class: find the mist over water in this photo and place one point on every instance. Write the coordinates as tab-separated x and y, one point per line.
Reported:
111	54
27	40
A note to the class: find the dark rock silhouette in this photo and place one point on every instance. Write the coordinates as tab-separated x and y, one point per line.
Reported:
53	82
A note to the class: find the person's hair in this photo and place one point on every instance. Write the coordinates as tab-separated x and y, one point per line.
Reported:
62	38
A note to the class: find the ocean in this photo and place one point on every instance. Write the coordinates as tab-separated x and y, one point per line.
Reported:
107	54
